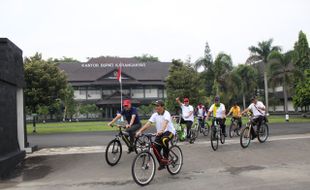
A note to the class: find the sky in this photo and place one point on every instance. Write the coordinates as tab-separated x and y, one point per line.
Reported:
167	29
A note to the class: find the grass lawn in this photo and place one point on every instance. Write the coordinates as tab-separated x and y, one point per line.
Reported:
69	127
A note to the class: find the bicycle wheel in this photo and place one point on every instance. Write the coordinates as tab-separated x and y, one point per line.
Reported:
222	138
214	140
113	152
193	133
141	144
263	133
143	168
206	129
245	137
231	130
175	159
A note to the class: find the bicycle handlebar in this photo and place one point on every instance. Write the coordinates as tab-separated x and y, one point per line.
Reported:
118	125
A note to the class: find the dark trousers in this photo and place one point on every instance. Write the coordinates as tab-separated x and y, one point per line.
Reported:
201	121
258	122
132	132
188	126
239	121
162	141
221	122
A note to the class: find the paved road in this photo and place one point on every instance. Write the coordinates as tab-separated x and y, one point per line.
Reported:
102	138
283	162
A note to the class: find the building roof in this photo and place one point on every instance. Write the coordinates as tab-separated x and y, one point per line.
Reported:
103	71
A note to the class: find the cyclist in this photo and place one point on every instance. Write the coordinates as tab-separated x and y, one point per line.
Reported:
133	121
258	110
219	113
201	114
164	127
236	114
187	114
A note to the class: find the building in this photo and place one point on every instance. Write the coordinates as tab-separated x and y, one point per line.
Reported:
13	139
96	82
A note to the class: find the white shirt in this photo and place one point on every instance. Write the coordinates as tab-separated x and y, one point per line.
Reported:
200	111
159	119
218	112
185	112
258	105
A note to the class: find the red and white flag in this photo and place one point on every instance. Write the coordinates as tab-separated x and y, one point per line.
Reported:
119	75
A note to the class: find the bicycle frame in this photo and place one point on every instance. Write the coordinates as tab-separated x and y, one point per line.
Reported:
217	127
122	135
155	151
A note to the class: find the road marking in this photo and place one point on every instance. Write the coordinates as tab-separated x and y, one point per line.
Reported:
101	149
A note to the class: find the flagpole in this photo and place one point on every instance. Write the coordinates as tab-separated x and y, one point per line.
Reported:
121	87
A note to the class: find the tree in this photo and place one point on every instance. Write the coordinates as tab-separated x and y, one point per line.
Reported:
206	61
302	92
147	58
64	59
45	83
88	109
261	53
69	103
302	62
248	81
43	110
222	66
146	110
281	69
182	81
302	52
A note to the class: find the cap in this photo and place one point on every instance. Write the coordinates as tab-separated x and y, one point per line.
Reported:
159	103
126	102
217	99
186	100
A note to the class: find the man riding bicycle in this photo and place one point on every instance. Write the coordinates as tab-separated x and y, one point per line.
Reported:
133	121
201	114
164	127
187	114
236	114
219	113
258	110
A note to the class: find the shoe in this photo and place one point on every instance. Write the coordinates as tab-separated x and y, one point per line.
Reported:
130	150
161	167
225	135
253	137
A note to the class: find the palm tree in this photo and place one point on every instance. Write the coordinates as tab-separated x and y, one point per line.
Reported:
281	69
260	54
248	81
222	65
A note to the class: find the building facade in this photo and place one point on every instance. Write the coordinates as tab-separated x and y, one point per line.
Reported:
96	82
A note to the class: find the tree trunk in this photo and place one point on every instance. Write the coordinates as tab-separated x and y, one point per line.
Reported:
266	93
243	98
285	98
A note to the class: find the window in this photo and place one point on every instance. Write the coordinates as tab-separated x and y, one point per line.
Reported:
80	93
160	93
151	92
94	93
137	93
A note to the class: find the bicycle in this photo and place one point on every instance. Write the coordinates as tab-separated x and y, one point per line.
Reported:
234	129
216	134
113	151
246	135
180	134
144	165
204	130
